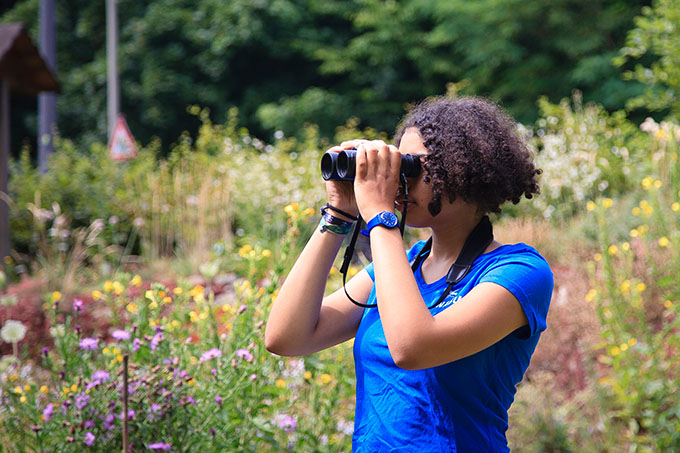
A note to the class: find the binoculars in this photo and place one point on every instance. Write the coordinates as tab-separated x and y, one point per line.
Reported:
342	166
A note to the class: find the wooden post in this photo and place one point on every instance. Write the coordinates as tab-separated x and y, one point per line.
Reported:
4	171
125	403
113	93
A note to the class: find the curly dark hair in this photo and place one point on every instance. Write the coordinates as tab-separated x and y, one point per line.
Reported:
475	152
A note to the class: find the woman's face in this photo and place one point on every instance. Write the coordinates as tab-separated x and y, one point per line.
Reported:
419	192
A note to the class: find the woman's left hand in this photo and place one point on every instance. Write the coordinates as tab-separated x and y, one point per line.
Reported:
377	177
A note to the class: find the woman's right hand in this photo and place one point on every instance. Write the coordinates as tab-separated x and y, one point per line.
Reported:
341	193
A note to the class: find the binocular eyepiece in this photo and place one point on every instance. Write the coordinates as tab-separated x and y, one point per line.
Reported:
342	166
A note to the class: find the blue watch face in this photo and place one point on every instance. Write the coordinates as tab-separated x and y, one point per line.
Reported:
389	219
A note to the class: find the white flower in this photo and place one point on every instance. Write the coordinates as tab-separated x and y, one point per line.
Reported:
13	331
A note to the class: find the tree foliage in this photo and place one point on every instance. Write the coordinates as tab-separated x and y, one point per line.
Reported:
657	35
287	62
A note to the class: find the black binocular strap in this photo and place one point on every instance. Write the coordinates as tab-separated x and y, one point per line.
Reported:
475	244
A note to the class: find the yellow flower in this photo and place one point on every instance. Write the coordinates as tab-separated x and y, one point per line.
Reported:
56	296
119	358
597	257
96	295
625	286
266	253
607	203
640	287
197	291
245	250
153	305
590	296
647	182
136	281
625	246
590	206
667	304
22	399
18	390
613	250
66	390
326	378
176	324
191	381
118	288
634	233
149	294
623	347
657	184
675	206
27	388
153	323
131	307
74	388
632	342
664	242
614	351
167	300
44	389
280	383
108	286
308	375
308	212
177	291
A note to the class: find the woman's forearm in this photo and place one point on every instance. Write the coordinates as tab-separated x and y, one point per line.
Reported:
295	312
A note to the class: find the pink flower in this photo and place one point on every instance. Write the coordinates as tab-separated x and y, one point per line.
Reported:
159	446
48	411
77	305
244	354
120	335
210	354
89	438
89	344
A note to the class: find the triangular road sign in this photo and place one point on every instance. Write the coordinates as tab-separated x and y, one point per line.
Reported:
122	145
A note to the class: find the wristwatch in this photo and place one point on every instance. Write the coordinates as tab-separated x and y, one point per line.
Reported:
386	218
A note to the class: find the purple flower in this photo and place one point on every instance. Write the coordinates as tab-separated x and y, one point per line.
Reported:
136	343
155	340
81	401
88	424
48	411
100	376
109	422
130	415
120	335
159	446
89	344
191	400
244	354
242	308
210	354
218	400
77	305
286	422
45	351
89	439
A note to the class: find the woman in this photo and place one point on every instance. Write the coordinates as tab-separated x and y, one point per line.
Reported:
428	379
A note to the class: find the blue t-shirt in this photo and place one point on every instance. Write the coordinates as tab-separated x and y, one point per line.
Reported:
462	405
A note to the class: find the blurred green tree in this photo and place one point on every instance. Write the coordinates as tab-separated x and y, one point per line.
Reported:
287	62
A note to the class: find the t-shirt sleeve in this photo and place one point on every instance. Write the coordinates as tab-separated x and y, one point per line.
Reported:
529	278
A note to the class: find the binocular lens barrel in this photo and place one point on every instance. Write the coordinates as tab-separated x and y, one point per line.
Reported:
342	166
